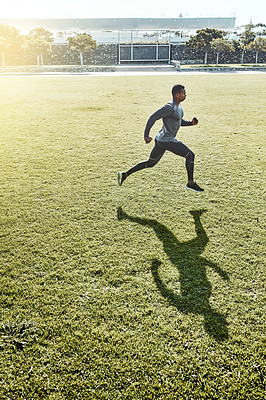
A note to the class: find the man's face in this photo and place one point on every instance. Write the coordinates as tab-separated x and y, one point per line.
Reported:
180	96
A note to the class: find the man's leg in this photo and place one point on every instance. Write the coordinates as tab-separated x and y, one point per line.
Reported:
156	154
182	150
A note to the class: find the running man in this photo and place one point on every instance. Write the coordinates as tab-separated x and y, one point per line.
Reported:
172	116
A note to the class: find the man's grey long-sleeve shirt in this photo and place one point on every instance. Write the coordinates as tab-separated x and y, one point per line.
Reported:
172	116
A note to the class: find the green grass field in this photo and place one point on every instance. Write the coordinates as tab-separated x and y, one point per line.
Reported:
145	291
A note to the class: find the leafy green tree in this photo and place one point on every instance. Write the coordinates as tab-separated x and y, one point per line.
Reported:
260	26
262	32
10	42
83	43
236	44
38	42
257	45
202	40
245	39
3	47
221	45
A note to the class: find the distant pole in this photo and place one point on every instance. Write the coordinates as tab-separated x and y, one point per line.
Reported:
169	52
157	47
119	47
131	55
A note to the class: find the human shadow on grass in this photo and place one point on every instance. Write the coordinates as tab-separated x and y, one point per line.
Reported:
195	289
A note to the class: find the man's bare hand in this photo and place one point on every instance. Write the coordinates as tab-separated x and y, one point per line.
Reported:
148	139
194	121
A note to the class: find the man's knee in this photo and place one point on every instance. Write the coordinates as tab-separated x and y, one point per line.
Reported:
190	156
151	162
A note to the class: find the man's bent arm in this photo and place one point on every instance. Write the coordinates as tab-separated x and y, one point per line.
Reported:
186	123
189	123
162	112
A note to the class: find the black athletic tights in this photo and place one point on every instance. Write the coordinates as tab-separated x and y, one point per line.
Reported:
158	151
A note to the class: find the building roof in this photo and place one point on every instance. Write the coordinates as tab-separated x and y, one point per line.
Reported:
120	24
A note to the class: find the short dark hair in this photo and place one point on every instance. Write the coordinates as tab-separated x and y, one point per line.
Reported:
177	89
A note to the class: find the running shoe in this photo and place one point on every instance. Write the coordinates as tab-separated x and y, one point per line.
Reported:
121	177
194	187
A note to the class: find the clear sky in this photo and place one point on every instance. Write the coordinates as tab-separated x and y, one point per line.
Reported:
243	10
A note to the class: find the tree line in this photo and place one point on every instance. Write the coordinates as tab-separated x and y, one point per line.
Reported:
38	43
215	40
